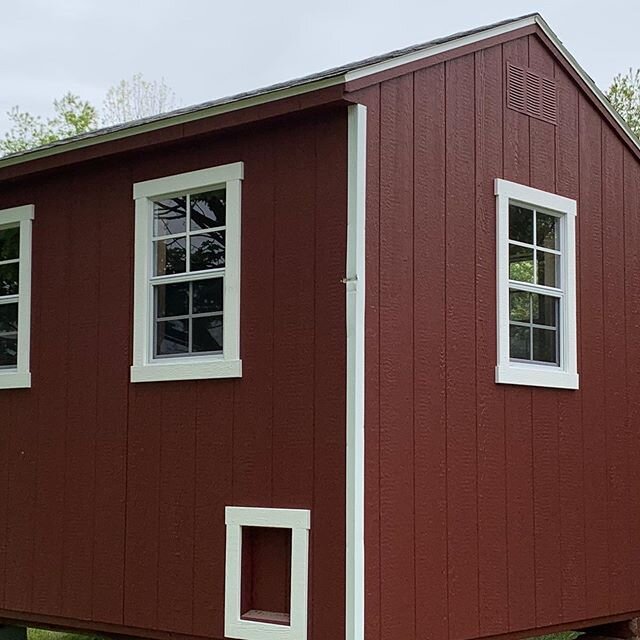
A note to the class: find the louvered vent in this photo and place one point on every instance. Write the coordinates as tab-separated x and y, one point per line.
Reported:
532	94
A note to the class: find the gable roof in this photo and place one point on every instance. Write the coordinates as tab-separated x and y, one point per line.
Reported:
336	76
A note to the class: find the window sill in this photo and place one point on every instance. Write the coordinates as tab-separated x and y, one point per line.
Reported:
536	376
15	380
161	371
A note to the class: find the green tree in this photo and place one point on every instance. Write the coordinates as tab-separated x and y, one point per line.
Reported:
624	95
72	116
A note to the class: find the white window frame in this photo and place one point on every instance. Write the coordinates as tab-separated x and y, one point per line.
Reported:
145	367
299	521
19	377
564	376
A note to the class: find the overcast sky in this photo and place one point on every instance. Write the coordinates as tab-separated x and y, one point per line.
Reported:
205	49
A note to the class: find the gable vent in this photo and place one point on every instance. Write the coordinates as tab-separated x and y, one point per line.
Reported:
532	94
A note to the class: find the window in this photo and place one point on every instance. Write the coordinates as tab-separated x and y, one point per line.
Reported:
187	276
258	624
15	296
536	287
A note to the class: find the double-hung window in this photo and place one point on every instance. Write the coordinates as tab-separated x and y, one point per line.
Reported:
187	276
15	296
536	287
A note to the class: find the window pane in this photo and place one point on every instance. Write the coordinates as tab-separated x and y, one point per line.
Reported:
170	256
544	345
547	268
520	263
208	210
172	336
547	231
8	317
207	295
520	224
172	300
207	334
207	251
519	306
9	243
170	216
9	279
520	342
544	309
9	350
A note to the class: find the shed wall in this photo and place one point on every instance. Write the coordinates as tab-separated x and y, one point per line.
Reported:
112	494
494	509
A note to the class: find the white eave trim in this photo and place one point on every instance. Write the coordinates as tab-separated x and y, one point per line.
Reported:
435	50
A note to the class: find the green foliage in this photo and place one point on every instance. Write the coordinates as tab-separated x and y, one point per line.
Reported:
72	116
128	100
624	95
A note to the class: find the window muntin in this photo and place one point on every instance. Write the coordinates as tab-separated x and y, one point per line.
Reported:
9	295
534	266
186	314
536	287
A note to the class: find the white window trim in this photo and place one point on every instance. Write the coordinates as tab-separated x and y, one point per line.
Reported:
564	376
228	364
20	376
299	521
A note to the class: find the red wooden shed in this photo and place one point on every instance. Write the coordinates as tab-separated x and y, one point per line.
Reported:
352	357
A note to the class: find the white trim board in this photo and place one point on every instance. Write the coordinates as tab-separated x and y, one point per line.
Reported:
355	387
145	367
299	521
565	375
19	377
331	79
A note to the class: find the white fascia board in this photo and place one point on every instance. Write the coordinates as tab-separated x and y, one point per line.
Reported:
586	78
462	41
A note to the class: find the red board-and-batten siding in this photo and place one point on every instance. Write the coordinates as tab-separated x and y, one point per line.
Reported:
494	509
112	494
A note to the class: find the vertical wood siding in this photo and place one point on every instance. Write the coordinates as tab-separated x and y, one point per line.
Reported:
112	495
494	509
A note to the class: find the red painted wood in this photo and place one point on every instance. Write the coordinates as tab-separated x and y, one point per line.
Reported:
632	331
397	607
570	436
329	395
371	98
546	490
592	341
429	354
462	487
82	321
492	513
620	460
518	401
110	449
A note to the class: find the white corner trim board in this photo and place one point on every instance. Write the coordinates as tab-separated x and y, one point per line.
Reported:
355	384
563	374
299	521
146	367
19	377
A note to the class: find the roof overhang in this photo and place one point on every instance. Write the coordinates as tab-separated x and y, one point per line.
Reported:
339	77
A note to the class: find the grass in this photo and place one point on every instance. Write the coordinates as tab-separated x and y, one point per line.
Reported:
45	634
